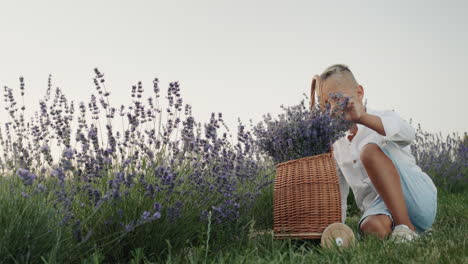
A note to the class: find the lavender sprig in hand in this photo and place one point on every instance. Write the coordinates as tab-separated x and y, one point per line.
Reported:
301	132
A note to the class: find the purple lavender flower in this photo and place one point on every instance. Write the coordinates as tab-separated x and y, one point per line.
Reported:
444	159
27	177
41	187
299	132
45	148
58	173
145	216
157	215
157	207
68	153
129	227
218	166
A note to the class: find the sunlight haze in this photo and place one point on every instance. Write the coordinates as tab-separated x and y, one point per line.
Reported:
243	58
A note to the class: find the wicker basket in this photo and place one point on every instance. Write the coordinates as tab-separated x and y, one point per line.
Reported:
306	197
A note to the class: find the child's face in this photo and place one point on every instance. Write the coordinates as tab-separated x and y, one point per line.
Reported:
339	83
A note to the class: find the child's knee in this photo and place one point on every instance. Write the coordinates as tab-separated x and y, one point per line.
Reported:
380	225
368	153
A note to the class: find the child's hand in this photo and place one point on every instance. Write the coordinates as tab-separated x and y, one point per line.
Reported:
354	110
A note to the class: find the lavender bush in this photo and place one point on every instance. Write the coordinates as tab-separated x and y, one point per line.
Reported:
136	187
300	132
30	224
444	159
90	177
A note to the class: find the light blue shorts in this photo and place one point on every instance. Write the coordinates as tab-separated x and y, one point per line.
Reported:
420	197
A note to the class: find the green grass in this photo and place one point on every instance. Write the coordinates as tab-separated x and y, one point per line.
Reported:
447	244
31	233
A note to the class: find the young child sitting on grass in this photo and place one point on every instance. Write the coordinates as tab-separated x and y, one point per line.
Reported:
396	197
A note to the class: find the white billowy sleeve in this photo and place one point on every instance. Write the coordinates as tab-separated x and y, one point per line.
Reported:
344	191
397	130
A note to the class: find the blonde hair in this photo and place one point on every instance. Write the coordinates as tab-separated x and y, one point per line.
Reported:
335	69
340	69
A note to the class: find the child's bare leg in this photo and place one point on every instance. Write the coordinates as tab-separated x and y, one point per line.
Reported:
384	176
378	225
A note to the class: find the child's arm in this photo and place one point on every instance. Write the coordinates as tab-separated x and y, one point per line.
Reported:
373	122
387	123
391	126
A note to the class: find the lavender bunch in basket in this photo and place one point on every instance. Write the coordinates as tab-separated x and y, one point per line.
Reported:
300	132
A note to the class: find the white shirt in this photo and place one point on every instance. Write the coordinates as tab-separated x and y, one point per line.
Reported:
398	136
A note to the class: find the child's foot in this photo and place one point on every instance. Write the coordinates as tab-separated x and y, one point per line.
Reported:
402	233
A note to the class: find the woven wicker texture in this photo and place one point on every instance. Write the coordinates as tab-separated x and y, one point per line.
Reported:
306	197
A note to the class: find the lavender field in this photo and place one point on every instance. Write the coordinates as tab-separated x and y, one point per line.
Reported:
91	182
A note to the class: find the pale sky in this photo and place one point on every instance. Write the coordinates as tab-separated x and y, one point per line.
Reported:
243	58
